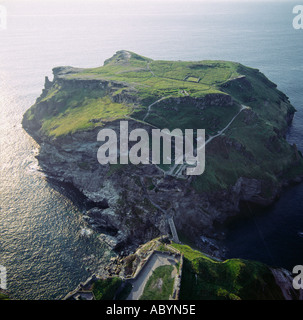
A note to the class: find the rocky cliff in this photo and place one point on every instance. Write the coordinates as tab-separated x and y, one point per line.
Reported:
249	162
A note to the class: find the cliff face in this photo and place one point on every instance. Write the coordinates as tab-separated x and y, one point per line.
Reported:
132	202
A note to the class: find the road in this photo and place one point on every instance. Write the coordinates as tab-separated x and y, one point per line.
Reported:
157	260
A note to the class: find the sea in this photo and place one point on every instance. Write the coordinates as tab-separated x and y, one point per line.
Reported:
45	245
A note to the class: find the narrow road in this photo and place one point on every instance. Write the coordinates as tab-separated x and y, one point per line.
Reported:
139	283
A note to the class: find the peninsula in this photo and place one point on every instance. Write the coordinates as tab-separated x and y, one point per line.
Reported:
247	157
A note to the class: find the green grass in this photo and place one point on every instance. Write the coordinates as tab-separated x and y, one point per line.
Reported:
78	118
162	78
263	155
65	109
106	289
160	285
3	296
236	279
165	248
192	79
269	103
186	116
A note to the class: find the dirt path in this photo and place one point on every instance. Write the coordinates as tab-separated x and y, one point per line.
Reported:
150	70
177	169
149	107
183	166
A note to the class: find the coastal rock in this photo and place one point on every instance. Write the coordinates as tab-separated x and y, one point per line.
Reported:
284	280
132	203
250	190
108	240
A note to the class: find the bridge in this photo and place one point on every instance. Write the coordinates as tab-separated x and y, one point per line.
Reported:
173	230
168	217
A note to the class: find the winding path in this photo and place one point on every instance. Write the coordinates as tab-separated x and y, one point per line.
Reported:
177	169
149	107
183	166
150	70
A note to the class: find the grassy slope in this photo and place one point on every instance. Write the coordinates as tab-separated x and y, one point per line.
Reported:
271	157
150	80
234	279
68	110
106	289
154	291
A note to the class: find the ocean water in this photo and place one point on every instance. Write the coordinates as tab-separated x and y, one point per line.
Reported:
43	244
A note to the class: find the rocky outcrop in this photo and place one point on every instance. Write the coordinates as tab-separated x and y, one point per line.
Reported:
250	190
240	81
121	207
132	203
214	99
284	280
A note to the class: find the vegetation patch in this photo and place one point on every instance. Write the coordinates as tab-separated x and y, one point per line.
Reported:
193	79
236	279
3	296
105	289
252	147
160	284
87	114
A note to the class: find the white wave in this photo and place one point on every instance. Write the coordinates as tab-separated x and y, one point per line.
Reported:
85	232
